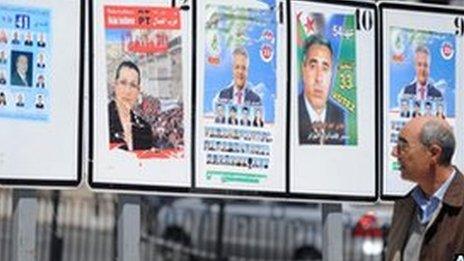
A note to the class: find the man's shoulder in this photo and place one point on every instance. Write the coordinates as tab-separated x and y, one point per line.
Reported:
433	91
334	110
410	88
455	194
301	101
226	91
252	95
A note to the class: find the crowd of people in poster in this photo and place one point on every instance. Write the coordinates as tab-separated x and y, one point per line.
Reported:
24	63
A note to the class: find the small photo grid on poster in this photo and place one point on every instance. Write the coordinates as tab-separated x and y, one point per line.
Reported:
238	138
23	69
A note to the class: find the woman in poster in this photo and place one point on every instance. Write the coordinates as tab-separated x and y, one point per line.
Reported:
127	130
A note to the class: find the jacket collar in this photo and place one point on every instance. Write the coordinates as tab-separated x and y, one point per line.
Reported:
454	196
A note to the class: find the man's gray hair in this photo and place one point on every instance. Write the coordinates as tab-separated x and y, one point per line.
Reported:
240	51
422	49
437	132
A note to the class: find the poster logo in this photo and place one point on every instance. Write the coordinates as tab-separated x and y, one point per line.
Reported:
447	50
268	36
22	21
266	52
398	46
214	48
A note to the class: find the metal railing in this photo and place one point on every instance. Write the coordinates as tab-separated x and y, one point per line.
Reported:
76	226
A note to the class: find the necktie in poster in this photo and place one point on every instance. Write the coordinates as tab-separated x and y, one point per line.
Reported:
25	55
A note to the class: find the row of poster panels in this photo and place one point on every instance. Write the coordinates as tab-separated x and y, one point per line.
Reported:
283	99
41	87
253	134
281	91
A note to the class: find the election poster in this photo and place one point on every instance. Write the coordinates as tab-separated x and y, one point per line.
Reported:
332	99
333	36
25	56
240	121
420	78
41	86
142	120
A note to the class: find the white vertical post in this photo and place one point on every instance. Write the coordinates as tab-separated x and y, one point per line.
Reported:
332	243
128	228
25	210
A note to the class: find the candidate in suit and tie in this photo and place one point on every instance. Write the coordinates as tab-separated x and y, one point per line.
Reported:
20	74
422	89
239	91
315	109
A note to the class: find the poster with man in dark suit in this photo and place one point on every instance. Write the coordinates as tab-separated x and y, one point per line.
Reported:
21	69
239	92
316	110
422	88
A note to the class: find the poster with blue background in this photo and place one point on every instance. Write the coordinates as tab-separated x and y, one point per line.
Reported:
25	55
239	91
439	72
422	69
252	30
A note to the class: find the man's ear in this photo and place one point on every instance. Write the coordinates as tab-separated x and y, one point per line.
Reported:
435	152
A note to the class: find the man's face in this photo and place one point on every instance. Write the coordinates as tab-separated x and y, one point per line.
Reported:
245	115
404	106
220	111
233	114
21	64
440	109
317	75
413	157
127	87
240	70
422	68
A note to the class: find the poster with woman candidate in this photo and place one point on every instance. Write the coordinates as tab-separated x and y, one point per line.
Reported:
240	96
141	95
332	98
420	77
40	88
